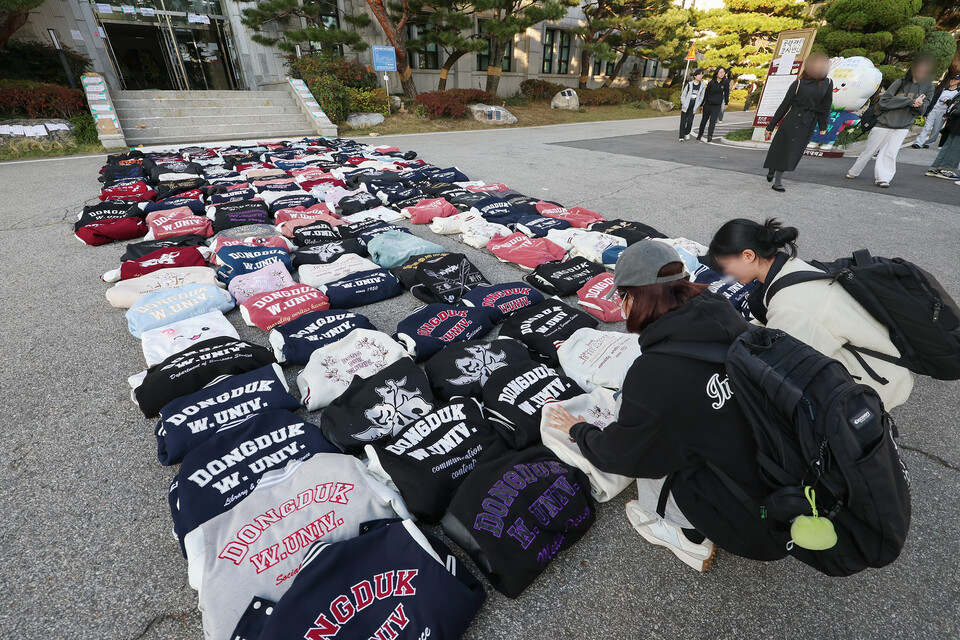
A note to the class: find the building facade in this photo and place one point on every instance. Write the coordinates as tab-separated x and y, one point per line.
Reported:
202	45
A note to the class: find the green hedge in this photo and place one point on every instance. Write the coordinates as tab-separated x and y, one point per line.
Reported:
369	101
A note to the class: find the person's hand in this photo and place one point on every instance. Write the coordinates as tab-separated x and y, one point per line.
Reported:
823	132
560	418
767	135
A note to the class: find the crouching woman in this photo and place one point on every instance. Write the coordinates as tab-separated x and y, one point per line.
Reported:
678	418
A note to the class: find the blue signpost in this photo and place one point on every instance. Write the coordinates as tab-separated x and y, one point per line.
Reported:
385	59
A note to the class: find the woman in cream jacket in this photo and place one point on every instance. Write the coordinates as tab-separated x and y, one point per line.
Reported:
820	313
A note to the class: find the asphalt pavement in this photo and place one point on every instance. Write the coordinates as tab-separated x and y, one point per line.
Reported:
86	528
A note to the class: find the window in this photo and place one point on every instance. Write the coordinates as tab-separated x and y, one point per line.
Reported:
330	19
556	48
483	58
429	56
549	38
598	67
563	57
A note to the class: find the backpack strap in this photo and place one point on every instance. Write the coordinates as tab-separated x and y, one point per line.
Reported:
857	351
791	279
715	352
665	494
752	505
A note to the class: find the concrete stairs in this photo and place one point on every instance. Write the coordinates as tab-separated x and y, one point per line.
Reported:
162	117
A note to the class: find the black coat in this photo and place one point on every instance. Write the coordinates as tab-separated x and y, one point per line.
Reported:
804	108
675	414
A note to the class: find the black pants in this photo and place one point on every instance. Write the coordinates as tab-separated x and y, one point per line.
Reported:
710	112
686	120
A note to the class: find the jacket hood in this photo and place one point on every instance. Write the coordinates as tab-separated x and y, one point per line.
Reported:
709	317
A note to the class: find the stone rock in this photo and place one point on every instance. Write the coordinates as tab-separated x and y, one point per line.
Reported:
395	103
661	105
566	99
364	120
491	114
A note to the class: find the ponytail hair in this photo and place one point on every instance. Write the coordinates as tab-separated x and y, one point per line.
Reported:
766	239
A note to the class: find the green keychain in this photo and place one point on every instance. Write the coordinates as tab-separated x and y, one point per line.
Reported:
813	532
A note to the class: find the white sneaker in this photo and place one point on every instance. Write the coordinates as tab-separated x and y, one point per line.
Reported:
689	135
656	530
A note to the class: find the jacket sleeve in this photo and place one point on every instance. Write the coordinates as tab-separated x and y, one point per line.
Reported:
684	96
823	112
726	92
890	101
784	106
641	443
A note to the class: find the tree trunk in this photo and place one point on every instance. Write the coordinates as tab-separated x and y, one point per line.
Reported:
445	71
495	69
616	70
10	21
585	71
395	34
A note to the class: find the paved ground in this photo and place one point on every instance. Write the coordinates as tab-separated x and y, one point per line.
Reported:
86	531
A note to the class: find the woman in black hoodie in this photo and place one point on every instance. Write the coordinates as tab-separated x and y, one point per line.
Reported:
717	94
676	415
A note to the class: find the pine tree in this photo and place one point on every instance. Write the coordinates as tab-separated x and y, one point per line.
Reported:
503	20
889	32
298	21
742	35
447	24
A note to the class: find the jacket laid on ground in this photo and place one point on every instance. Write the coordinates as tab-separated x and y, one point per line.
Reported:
678	413
895	106
692	91
826	317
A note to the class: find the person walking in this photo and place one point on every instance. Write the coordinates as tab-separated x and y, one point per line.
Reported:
897	109
938	107
723	105
806	105
690	100
717	94
946	162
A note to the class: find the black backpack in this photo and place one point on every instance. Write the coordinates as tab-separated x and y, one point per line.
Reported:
923	321
814	426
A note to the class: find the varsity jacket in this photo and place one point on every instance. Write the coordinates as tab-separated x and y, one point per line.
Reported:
431	327
516	512
294	341
542	326
462	369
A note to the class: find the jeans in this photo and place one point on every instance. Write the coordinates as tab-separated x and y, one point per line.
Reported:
686	120
932	126
949	156
886	144
710	112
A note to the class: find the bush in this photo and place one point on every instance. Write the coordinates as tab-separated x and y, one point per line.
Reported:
877	41
850	53
909	38
28	99
877	57
334	98
739	135
368	101
538	90
601	96
451	103
349	73
738	95
516	101
40	62
840	39
85	128
890	73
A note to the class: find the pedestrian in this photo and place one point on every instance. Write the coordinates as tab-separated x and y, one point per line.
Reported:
806	106
897	110
690	100
946	162
938	106
819	313
717	95
723	105
670	436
